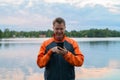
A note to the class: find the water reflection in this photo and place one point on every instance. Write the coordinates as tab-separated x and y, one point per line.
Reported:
105	43
0	45
6	45
81	74
98	54
18	61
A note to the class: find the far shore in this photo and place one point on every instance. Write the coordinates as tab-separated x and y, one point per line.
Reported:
40	40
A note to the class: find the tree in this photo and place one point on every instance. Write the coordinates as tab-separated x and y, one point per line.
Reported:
1	33
49	33
6	33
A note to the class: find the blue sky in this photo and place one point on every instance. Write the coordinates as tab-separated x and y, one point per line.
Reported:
79	14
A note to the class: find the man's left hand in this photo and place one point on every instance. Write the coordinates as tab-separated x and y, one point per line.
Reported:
62	51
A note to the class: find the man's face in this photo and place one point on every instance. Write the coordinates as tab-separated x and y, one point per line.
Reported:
59	30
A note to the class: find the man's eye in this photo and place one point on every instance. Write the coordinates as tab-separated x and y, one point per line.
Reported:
57	28
61	29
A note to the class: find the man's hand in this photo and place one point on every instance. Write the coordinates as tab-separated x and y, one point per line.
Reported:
54	49
62	51
59	50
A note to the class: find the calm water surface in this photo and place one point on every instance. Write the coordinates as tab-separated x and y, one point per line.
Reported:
102	59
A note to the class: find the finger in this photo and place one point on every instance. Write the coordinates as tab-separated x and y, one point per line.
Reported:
60	48
54	49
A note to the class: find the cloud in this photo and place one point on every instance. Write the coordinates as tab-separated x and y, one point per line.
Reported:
77	13
111	5
35	76
14	20
22	15
56	1
80	72
25	18
18	74
91	72
15	74
11	2
114	64
30	4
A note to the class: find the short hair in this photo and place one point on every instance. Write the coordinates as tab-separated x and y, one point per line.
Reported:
59	20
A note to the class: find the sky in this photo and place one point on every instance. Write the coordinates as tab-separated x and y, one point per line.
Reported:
29	15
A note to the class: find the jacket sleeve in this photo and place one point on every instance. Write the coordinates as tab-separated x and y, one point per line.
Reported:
76	59
43	57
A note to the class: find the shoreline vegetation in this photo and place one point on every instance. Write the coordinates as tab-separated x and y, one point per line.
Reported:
91	33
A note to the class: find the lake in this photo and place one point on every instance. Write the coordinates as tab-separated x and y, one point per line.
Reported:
18	59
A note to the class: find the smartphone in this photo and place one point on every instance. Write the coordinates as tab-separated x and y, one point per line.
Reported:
60	44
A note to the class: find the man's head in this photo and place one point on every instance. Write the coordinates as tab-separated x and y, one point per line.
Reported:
59	20
59	28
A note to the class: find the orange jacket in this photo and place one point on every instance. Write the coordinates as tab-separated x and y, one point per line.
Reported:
59	67
74	59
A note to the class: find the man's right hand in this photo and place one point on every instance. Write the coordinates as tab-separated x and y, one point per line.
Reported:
55	49
59	50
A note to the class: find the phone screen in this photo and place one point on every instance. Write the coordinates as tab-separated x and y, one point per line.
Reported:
60	44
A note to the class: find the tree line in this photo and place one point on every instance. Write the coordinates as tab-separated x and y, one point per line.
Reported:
83	33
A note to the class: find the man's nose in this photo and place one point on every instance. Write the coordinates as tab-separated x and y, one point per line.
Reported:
59	30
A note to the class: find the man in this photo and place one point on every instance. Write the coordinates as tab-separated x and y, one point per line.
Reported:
59	62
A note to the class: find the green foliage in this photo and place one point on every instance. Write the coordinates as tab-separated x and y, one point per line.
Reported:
1	33
84	33
6	33
49	33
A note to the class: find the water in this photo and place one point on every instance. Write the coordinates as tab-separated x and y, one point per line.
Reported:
18	59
